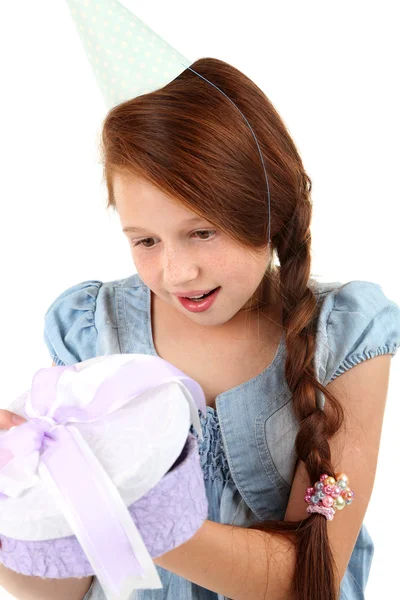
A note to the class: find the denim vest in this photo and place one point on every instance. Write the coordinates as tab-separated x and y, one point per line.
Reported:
248	453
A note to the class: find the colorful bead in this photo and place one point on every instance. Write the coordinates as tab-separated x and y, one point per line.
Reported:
327	501
329	495
335	493
347	494
340	503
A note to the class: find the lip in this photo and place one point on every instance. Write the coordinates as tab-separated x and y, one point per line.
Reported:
202	305
192	293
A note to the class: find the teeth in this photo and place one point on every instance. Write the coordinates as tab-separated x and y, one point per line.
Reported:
198	297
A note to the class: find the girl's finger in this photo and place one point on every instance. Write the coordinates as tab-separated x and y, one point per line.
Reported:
9	419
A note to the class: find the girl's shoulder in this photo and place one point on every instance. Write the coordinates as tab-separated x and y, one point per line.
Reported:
356	321
83	320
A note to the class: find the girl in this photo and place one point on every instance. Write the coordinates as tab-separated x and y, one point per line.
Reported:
295	371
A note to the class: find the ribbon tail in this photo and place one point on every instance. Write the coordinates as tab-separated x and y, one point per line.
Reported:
97	514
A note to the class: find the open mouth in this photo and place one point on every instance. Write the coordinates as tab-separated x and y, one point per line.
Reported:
202	303
203	296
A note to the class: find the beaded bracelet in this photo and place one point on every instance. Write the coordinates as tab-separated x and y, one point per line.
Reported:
329	495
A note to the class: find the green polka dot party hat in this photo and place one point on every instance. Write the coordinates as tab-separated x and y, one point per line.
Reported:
128	58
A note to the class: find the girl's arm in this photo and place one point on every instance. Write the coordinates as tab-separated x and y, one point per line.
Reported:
24	587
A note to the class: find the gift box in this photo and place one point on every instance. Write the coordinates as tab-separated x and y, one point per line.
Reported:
104	476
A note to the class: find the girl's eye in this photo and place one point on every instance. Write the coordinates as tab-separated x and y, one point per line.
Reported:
142	242
213	231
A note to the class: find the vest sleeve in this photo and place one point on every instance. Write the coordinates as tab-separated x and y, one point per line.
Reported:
70	332
357	321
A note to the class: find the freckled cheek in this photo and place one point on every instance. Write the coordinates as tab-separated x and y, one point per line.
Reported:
245	273
217	263
146	269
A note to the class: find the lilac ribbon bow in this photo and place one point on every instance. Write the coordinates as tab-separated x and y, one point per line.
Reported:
51	449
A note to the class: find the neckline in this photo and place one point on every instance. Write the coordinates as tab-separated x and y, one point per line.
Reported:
247	383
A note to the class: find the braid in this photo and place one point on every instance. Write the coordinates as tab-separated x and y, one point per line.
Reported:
314	572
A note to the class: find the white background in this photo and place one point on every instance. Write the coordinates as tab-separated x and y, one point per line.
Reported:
331	70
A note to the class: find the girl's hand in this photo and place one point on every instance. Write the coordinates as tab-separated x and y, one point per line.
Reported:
7	419
6	422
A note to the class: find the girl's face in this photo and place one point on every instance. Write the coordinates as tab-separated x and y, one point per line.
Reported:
175	251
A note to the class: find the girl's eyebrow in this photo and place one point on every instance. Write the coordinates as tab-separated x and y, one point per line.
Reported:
185	221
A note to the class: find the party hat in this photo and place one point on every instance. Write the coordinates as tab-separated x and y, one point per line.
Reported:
128	58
